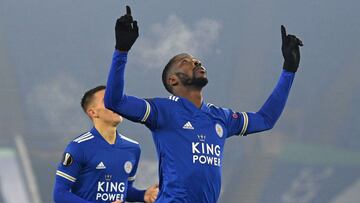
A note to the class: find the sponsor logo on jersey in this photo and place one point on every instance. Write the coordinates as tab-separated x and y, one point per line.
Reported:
101	166
110	191
67	159
127	167
205	153
188	126
202	138
219	130
108	177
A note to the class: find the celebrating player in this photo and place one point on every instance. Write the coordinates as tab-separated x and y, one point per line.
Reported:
100	165
188	133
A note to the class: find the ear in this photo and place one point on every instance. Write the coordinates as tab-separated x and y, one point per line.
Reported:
173	80
92	113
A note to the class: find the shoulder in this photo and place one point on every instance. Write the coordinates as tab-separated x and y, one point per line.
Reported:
167	102
131	144
129	140
164	100
215	109
82	140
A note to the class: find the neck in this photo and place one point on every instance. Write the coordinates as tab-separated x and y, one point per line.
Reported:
193	95
108	132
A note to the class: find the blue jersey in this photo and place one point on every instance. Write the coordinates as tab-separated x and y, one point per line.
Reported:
96	171
190	140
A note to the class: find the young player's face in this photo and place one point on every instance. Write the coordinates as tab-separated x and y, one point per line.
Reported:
103	113
191	72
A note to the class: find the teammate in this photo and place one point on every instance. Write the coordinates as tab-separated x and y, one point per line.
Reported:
100	165
188	133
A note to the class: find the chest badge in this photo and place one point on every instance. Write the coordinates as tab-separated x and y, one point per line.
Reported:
219	130
128	166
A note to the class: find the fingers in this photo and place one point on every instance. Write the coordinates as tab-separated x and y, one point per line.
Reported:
283	34
135	26
290	38
128	11
294	41
299	42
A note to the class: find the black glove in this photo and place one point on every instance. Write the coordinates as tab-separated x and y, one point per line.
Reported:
126	31
290	50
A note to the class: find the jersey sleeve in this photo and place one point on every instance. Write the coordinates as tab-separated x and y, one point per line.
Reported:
243	123
130	107
133	194
66	175
132	174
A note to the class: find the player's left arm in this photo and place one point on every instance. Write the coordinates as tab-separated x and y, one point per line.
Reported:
251	122
135	195
67	174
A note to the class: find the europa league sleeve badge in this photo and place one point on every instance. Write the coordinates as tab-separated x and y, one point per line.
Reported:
67	159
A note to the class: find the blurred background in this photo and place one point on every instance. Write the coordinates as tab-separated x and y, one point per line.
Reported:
51	52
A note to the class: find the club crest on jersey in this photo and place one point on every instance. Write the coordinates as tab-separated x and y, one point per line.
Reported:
67	159
219	130
128	166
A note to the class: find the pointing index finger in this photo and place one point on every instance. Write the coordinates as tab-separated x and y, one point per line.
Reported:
283	33
128	11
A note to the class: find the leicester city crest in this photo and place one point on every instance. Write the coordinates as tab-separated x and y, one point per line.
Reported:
219	130
128	166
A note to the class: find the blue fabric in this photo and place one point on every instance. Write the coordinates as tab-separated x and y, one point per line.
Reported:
98	171
190	140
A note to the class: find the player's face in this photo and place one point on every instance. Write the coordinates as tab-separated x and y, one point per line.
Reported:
191	72
102	113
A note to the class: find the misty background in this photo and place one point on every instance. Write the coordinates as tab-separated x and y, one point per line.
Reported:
51	52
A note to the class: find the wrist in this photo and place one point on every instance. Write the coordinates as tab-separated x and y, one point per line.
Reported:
290	67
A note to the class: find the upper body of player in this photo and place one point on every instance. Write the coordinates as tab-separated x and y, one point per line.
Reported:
188	133
100	165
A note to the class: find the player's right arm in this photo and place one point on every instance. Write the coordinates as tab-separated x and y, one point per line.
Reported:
66	175
132	108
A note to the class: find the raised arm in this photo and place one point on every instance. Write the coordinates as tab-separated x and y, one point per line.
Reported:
132	108
270	112
243	123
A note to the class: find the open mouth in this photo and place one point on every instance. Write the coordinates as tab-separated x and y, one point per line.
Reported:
200	69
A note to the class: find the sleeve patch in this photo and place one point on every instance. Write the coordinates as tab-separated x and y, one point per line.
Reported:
67	159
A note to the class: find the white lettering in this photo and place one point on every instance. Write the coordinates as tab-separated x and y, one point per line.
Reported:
206	160
100	188
217	150
110	191
194	149
121	187
195	157
205	153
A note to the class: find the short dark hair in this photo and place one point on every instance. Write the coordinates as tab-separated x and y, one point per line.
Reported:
167	69
88	96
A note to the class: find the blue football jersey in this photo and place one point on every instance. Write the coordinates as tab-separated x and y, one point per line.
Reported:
190	141
98	171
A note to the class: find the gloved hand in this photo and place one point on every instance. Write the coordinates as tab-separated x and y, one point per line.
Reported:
290	50
126	31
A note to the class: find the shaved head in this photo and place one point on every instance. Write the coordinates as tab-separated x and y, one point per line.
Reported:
169	67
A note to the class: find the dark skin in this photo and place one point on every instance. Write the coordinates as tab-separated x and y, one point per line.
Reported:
187	67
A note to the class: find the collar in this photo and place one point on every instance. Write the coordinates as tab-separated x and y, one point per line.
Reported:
96	133
191	106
